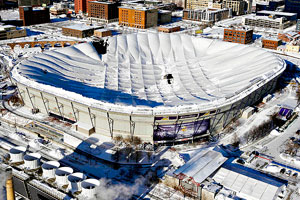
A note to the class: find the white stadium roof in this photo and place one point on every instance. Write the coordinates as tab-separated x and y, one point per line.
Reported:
206	73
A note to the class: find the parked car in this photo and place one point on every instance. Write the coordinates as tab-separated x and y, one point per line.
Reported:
295	175
240	161
282	171
288	173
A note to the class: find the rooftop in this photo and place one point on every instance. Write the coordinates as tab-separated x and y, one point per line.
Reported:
248	183
239	28
138	7
271	38
276	13
81	27
103	2
253	16
102	30
201	166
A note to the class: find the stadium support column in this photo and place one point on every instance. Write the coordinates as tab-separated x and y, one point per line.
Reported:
132	127
92	118
74	113
44	102
227	113
30	98
20	94
110	124
59	108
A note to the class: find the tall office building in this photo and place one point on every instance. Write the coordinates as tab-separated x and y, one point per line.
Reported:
138	17
292	6
103	11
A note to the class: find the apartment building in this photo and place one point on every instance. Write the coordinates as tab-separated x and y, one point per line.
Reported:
266	22
209	15
138	17
237	6
240	36
34	15
103	11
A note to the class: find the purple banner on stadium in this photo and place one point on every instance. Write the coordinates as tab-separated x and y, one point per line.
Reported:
180	130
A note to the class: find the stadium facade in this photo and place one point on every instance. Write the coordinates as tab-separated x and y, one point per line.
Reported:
160	87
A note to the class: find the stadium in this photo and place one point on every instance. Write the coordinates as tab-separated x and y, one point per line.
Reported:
160	87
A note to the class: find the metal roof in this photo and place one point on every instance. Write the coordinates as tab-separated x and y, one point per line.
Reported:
201	166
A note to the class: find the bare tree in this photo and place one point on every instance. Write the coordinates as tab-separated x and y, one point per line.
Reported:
118	138
136	141
235	140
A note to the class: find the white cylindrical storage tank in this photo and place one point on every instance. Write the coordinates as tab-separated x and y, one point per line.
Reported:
88	187
17	154
32	161
75	180
49	169
61	175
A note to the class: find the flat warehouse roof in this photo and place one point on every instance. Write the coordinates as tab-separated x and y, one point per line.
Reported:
247	182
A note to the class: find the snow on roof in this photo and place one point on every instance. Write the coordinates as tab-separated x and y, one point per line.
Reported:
103	2
271	38
276	13
255	17
81	27
246	187
130	77
102	30
201	166
137	7
165	11
248	183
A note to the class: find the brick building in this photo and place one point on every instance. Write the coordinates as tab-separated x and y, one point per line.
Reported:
138	17
31	15
9	32
238	36
168	29
102	33
289	36
79	30
103	11
270	43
